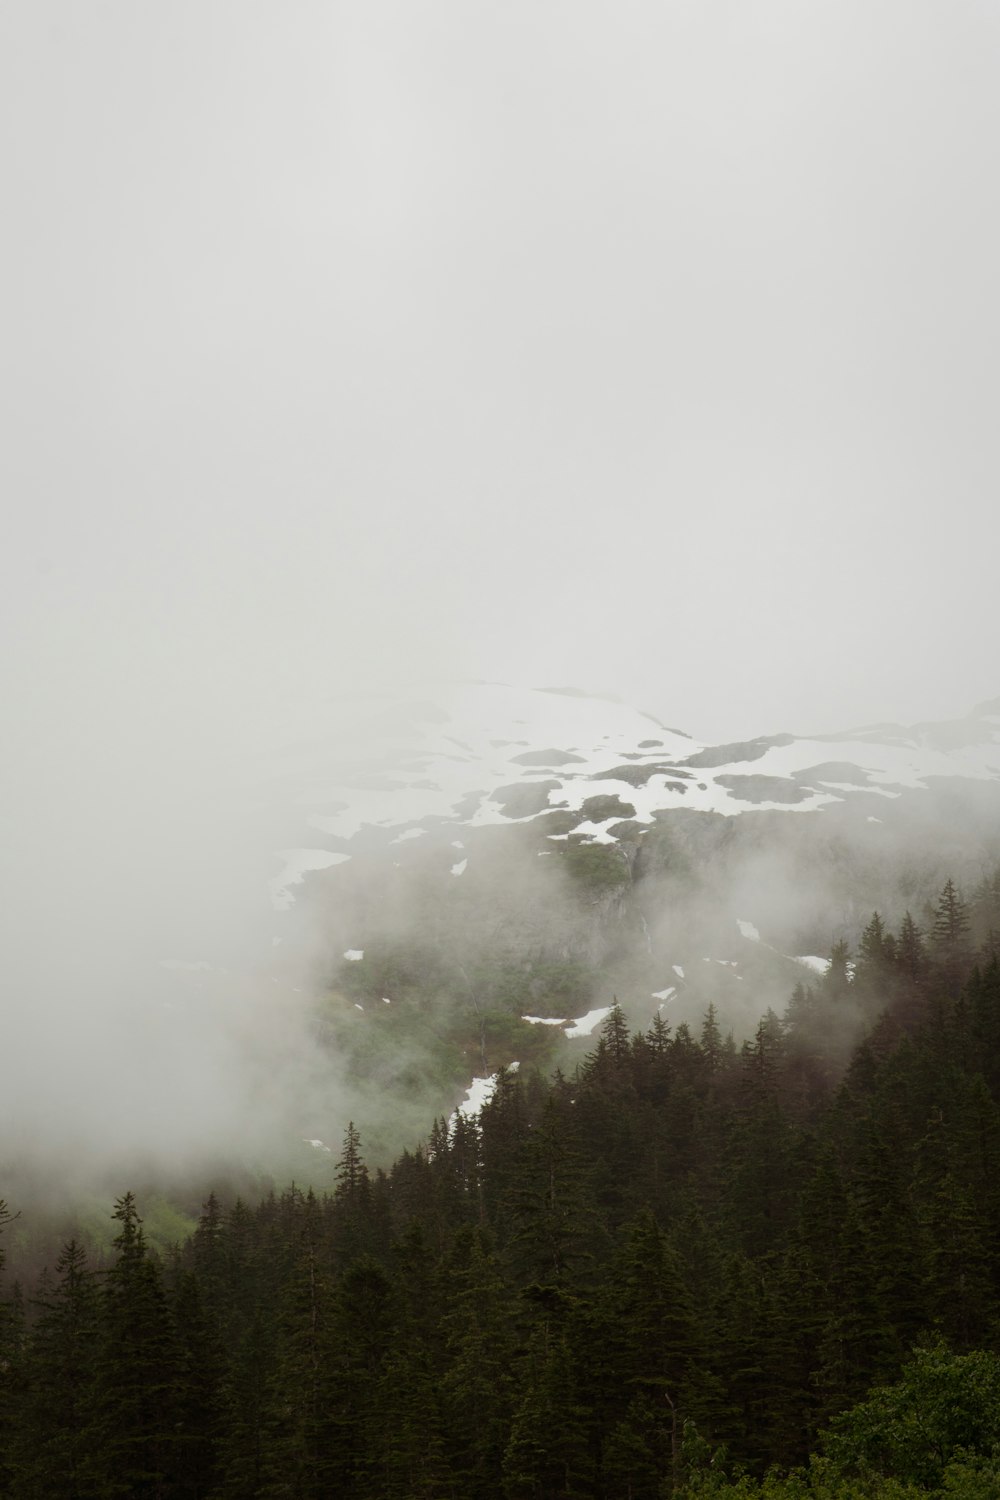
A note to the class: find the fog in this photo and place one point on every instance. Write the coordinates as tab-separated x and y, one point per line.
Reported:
647	348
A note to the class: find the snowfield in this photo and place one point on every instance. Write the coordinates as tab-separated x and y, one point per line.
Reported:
471	758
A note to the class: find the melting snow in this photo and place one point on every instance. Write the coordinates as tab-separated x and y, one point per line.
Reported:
811	961
678	970
586	1024
353	954
665	994
748	930
316	1145
411	833
297	863
479	1093
440	762
460	867
544	1020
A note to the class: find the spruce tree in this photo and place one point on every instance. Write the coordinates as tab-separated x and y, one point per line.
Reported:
64	1442
950	943
138	1372
478	1386
11	1346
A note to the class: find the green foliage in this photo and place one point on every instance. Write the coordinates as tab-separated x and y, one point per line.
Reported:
599	1288
944	1409
600	869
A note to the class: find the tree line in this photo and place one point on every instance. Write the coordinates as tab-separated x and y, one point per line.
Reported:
687	1267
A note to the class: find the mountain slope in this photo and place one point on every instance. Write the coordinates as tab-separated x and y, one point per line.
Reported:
479	872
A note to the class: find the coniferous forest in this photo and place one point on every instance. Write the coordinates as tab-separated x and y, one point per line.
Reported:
692	1268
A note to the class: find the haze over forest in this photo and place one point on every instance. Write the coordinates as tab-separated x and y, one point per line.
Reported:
648	350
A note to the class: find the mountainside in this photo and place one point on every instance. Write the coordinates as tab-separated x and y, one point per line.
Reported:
599	771
474	878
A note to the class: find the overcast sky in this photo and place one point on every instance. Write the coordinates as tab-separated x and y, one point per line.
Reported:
650	347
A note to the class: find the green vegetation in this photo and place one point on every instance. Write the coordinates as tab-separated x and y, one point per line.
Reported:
598	868
690	1269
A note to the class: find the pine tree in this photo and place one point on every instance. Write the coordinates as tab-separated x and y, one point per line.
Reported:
63	1442
503	1126
913	967
711	1040
835	984
984	915
250	1425
200	1368
875	969
365	1334
411	1447
657	1315
956	1236
478	1385
352	1201
11	1347
302	1394
138	1363
950	941
555	1232
546	1457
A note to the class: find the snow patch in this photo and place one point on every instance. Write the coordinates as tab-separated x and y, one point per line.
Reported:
812	961
544	1020
585	1025
665	994
748	930
354	954
678	970
316	1145
459	869
479	1095
297	863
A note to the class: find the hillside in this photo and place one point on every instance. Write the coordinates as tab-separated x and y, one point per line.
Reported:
485	872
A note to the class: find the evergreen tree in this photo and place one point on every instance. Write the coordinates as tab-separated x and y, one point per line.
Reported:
200	1358
913	967
138	1374
478	1385
352	1196
302	1394
63	1446
365	1335
555	1230
875	968
835	984
546	1457
11	1344
984	916
950	943
711	1040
